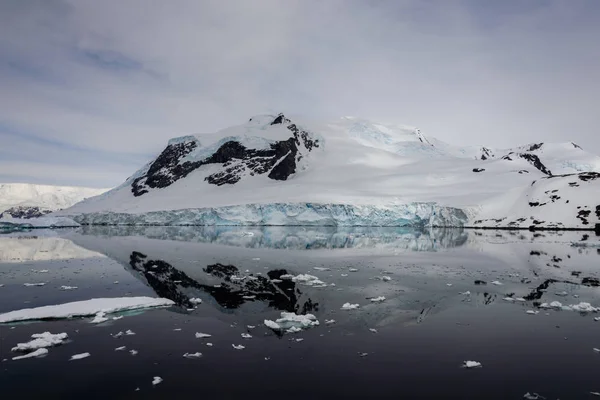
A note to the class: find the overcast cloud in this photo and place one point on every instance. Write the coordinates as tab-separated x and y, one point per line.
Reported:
91	90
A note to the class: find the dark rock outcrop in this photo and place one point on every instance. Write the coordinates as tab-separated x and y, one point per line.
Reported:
279	161
25	212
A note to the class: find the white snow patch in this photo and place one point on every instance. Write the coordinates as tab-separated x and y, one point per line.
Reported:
85	308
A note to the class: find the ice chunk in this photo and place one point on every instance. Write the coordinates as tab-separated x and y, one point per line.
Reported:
330	321
353	270
471	364
79	356
121	348
133	352
508	299
305	279
193	355
34	284
533	396
129	332
85	308
348	306
532	312
42	340
238	346
520	299
584	307
196	301
38	353
596	350
246	336
156	380
322	269
373	330
498	283
294	329
202	335
68	287
555	304
597	319
467	293
386	278
378	299
290	320
99	318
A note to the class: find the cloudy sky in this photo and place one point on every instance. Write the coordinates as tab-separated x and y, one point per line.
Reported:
91	90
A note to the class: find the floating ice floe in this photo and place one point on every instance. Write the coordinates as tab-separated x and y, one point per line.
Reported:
467	293
117	318
353	270
129	332
85	308
363	354
533	396
562	294
121	348
584	307
448	284
595	394
99	318
596	350
68	287
38	353
532	312
193	355
250	326
386	278
156	380
348	306
256	259
202	335
133	352
246	336
373	330
520	299
292	323
597	319
238	346
330	321
344	275
196	300
321	269
471	364
34	284
42	340
508	299
209	344
79	356
305	279
378	299
557	305
497	283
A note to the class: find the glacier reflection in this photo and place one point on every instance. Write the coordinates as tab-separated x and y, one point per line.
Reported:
296	238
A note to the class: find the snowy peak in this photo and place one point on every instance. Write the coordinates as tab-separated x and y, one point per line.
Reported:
238	153
24	200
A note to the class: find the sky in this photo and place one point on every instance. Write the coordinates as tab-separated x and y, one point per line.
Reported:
92	90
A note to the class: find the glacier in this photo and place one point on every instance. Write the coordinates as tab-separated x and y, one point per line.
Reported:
414	215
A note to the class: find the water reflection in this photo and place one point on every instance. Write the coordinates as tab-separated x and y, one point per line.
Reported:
296	238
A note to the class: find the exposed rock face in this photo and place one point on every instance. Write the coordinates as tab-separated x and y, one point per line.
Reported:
279	161
530	158
24	212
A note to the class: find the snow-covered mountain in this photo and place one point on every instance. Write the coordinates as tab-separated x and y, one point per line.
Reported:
276	170
24	200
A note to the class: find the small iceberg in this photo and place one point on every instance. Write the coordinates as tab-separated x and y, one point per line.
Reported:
379	299
79	356
292	323
471	364
348	306
42	340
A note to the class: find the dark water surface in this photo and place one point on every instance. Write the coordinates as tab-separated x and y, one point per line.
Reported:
425	328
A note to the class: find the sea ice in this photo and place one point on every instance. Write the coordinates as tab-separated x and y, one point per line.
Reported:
471	364
34	284
41	340
238	347
156	380
84	308
38	353
290	320
196	301
378	299
193	355
202	335
246	336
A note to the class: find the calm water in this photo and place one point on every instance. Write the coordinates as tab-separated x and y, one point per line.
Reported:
424	330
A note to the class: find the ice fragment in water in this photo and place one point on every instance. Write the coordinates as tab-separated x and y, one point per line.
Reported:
196	301
353	270
471	364
386	278
467	293
121	348
246	336
330	321
117	318
584	307
290	320
250	326
378	299
238	347
202	335
508	299
532	312
38	353
533	396
133	352
41	340
68	287
156	380
79	356
99	318
192	355
348	306
448	284
596	350
129	332
498	283
33	284
373	330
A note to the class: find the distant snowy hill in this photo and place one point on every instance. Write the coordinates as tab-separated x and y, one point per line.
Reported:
24	200
277	170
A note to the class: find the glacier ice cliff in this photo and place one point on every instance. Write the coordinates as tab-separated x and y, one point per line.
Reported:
416	215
